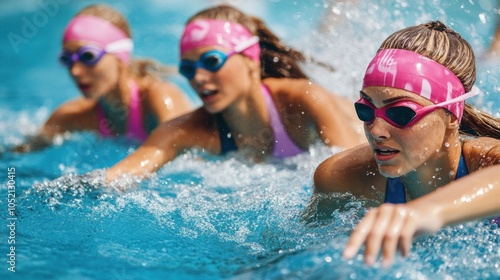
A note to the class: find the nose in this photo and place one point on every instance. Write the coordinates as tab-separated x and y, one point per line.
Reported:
378	129
201	76
77	69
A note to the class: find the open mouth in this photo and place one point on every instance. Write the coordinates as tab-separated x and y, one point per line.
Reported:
385	151
384	154
206	94
84	87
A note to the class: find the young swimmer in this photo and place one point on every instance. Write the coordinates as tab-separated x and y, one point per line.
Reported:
255	97
120	96
421	146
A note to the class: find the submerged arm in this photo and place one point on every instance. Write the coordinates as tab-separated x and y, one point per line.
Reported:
68	117
33	143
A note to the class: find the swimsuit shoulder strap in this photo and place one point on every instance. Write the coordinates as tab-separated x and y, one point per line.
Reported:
283	144
227	143
395	191
462	168
135	124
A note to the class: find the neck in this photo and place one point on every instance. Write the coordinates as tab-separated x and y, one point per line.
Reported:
436	172
115	103
249	121
120	94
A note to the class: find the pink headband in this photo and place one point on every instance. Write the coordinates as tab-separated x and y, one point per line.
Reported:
100	32
210	32
423	76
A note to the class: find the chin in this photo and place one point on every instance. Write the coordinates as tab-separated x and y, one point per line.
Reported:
391	171
213	109
91	94
88	95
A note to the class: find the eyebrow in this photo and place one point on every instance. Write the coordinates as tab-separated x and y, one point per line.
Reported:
387	101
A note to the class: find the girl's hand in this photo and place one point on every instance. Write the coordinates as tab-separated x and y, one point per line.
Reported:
388	228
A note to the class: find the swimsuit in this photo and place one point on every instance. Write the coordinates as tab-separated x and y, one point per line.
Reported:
395	191
135	129
283	145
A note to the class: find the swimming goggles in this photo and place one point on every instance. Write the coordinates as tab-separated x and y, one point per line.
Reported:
90	55
403	113
213	60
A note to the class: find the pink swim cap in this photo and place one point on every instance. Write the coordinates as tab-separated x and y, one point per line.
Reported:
101	33
421	75
210	32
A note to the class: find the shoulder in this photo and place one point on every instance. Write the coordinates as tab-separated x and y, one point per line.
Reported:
303	91
155	87
165	99
291	87
353	170
481	152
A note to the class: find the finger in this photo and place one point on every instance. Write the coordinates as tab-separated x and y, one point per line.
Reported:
407	234
392	236
375	237
358	236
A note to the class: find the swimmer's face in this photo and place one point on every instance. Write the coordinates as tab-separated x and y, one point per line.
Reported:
225	87
94	81
401	150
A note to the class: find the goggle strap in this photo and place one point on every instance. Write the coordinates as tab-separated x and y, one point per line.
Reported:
122	45
245	45
474	91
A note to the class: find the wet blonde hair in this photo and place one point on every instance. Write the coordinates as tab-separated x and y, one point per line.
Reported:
277	60
442	44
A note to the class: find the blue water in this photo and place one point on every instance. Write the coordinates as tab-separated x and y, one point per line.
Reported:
205	216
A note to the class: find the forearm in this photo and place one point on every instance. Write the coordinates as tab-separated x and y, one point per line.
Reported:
472	197
142	163
34	143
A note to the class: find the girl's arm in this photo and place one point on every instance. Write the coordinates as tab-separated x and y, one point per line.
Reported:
350	172
353	170
71	116
166	142
393	226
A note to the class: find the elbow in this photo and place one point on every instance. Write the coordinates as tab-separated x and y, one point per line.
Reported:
322	179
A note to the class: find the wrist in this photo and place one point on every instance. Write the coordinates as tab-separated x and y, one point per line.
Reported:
430	214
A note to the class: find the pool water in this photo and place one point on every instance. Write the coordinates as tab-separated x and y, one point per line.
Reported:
204	216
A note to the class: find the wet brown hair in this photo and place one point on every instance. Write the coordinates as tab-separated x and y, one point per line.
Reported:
442	44
277	60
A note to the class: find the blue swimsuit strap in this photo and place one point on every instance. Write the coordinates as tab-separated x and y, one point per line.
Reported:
462	168
395	191
227	143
